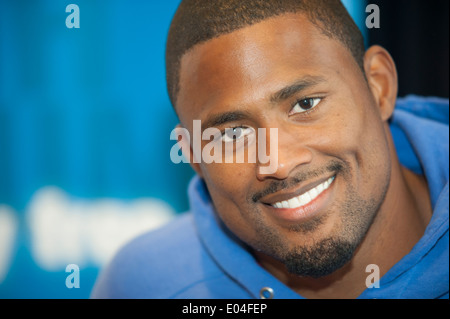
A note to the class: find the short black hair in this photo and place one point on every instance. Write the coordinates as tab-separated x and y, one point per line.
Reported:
197	21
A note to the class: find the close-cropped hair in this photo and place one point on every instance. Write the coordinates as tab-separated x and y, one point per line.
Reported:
197	21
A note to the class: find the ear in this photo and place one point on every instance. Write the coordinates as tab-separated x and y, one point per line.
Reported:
184	142
382	78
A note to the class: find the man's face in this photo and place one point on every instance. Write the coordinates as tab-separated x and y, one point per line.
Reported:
333	157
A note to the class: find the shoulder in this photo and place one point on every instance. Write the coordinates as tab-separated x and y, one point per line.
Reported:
157	264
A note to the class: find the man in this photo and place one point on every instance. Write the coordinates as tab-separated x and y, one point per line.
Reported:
357	185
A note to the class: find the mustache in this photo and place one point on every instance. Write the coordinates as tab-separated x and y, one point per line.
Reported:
278	185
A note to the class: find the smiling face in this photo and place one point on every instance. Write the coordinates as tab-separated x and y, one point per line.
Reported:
333	154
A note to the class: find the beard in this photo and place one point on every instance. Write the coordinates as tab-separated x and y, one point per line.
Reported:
326	255
330	254
322	259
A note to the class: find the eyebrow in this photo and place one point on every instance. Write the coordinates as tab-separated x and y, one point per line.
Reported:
283	94
298	86
223	118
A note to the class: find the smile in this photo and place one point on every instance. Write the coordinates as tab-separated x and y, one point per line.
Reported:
306	197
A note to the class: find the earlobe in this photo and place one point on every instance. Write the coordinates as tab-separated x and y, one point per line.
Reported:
382	79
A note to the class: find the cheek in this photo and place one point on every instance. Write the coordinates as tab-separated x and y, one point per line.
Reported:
228	183
363	144
342	134
353	132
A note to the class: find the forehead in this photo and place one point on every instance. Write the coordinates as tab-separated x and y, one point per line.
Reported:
249	64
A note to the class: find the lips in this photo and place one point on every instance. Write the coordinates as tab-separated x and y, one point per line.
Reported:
302	204
304	198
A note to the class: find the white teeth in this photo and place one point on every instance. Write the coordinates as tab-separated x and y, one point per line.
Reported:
293	202
313	193
320	188
306	197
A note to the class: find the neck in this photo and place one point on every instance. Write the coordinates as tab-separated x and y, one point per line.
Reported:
398	226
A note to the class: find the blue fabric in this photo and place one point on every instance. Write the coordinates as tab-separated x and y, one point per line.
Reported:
196	257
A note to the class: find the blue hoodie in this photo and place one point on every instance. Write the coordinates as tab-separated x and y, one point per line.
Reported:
196	257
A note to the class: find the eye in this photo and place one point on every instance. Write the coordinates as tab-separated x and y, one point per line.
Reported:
305	105
236	133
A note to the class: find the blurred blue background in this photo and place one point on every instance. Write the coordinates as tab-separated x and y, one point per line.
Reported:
84	138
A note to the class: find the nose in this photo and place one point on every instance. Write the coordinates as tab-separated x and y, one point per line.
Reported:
287	152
